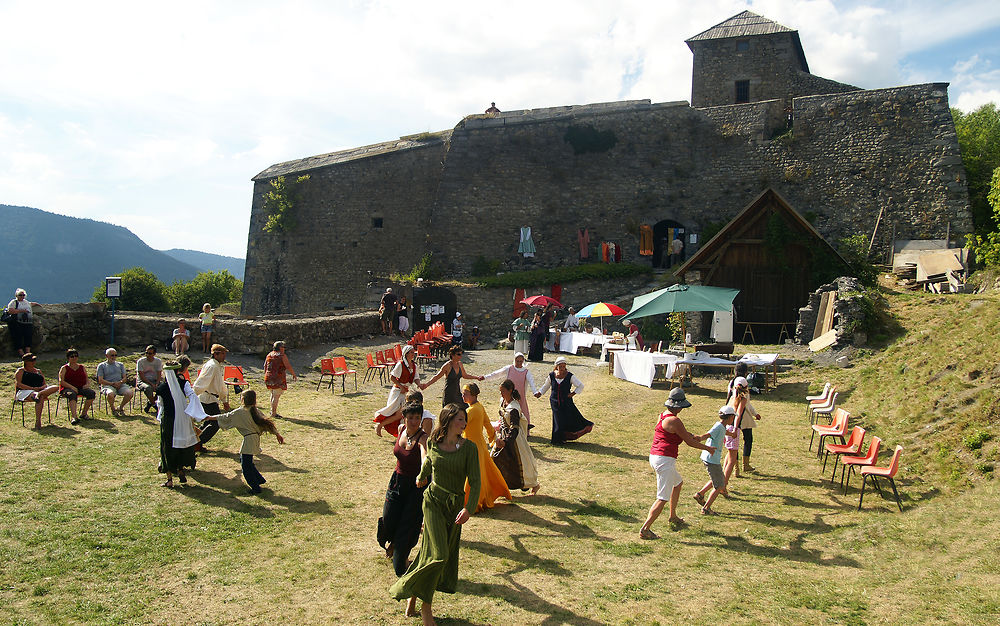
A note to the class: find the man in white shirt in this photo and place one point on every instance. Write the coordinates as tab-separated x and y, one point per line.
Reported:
148	376
572	322
211	389
457	326
111	378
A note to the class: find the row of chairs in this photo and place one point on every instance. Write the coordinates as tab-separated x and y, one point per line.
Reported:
436	340
848	452
232	374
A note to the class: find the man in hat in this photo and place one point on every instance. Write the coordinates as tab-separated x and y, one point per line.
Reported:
667	436
387	310
457	326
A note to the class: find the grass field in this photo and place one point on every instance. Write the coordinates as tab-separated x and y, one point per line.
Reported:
88	536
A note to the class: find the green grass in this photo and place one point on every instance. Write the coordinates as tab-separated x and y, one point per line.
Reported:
88	536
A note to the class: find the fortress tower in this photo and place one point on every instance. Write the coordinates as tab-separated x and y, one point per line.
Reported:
749	58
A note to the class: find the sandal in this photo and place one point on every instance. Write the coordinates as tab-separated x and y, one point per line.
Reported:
700	499
645	533
168	484
705	511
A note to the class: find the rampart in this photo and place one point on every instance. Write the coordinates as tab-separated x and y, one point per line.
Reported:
467	193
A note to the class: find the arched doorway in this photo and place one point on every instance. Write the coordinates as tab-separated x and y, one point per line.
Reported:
664	233
440	302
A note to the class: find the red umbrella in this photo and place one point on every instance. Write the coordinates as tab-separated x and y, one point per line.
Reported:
541	301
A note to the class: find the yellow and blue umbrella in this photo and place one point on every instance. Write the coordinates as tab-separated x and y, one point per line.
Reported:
600	309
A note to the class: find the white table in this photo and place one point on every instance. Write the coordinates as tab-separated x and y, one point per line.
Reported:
640	367
763	360
570	342
702	359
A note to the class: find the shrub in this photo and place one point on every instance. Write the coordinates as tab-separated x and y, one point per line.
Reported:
279	202
485	267
975	441
602	271
425	268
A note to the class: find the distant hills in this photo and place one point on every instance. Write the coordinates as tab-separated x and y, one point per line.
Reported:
62	259
208	262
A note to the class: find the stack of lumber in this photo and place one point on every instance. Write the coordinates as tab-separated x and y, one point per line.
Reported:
824	335
942	271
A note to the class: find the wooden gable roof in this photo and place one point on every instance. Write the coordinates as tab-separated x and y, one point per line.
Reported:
712	250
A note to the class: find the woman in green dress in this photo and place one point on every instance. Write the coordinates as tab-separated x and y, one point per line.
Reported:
448	465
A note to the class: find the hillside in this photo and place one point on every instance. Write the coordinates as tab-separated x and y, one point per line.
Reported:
62	259
208	262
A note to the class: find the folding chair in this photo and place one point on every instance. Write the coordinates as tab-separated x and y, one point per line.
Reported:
882	472
821	399
325	369
850	462
374	368
25	401
838	428
852	447
340	369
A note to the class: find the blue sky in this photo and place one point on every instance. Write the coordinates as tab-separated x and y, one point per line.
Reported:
155	116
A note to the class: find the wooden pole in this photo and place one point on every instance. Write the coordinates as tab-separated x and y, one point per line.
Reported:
872	242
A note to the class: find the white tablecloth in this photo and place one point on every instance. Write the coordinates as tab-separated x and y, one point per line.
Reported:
700	358
571	342
759	359
640	367
614	346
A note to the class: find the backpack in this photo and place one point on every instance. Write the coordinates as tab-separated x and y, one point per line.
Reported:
758	382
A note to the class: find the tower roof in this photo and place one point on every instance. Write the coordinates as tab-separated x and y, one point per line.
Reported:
748	24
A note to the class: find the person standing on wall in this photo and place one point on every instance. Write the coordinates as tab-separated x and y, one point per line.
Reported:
21	325
207	317
387	310
211	389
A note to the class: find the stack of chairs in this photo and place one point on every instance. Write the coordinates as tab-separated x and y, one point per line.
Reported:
848	453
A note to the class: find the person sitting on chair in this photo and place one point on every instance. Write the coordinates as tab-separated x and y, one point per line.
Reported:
111	378
181	338
30	385
148	376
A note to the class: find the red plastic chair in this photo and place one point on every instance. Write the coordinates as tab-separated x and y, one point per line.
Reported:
398	352
389	356
882	472
233	375
850	462
325	369
340	369
852	447
837	429
374	368
423	354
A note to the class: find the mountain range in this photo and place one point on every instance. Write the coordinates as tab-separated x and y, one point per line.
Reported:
56	258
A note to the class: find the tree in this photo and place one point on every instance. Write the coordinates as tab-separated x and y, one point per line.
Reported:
979	140
987	245
141	291
213	287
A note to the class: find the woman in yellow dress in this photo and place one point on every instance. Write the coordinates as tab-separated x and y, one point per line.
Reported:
493	485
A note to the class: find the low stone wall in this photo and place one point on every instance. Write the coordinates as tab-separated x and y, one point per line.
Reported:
59	326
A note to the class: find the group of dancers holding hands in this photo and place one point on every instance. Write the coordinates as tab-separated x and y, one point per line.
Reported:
460	466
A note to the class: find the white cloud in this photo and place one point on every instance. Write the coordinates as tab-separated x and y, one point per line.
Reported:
149	114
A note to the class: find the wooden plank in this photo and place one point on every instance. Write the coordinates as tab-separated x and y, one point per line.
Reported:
828	318
934	263
823	341
825	304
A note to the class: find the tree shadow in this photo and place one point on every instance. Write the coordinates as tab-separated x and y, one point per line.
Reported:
818	526
520	555
312	423
794	552
522	597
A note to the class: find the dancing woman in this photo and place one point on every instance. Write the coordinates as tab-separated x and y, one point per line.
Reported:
250	423
492	484
511	451
520	376
453	371
178	405
451	461
567	422
399	526
403	374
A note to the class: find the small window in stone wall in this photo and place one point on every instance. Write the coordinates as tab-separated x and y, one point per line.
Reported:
742	46
376	222
742	91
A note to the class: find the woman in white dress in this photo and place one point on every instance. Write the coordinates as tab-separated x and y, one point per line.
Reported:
403	374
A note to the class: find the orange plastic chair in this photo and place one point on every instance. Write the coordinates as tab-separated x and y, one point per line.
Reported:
325	369
882	472
374	368
850	462
390	357
398	352
423	354
340	369
852	447
837	429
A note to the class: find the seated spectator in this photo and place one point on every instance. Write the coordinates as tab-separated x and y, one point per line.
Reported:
148	376
181	339
73	382
111	378
473	337
30	385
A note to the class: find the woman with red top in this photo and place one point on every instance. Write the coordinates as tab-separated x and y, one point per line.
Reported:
403	374
667	436
275	365
399	526
73	382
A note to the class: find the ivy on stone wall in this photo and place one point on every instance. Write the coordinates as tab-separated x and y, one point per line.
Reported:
279	202
586	138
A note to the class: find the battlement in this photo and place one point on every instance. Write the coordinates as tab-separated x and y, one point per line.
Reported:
551	114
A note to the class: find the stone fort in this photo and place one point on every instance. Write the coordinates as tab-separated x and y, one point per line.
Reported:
758	118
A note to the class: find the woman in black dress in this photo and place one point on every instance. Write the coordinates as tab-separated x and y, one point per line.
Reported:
178	405
539	334
454	372
567	422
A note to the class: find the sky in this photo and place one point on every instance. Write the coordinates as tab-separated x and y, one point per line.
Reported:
155	116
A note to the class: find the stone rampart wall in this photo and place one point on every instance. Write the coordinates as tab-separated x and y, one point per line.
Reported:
756	120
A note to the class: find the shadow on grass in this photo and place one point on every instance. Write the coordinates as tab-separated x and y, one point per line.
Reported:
216	489
818	526
520	555
524	598
598	448
52	430
567	524
794	552
97	423
271	464
311	423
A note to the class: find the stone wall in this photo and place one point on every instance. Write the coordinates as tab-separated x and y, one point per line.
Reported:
850	155
847	311
60	326
771	64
